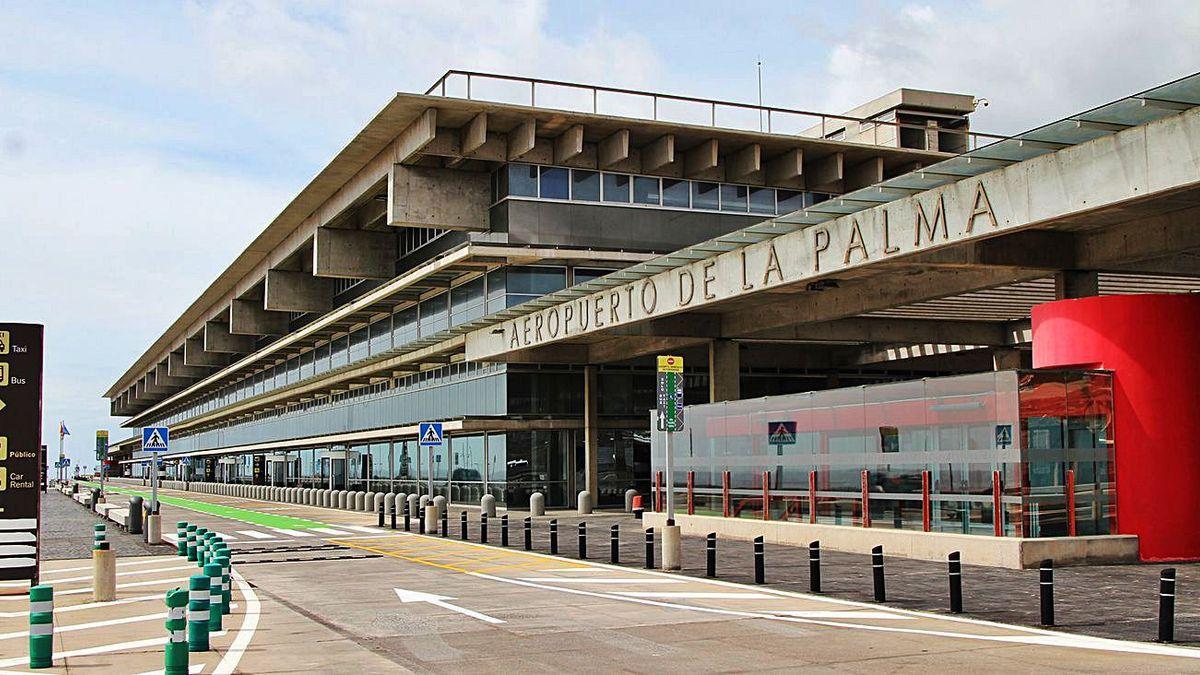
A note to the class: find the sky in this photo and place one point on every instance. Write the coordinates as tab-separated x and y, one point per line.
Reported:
143	145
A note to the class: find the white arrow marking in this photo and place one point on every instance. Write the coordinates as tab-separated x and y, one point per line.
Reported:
440	601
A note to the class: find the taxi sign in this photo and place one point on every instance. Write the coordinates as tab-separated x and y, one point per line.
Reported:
670	364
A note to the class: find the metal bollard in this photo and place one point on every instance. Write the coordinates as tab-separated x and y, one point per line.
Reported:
445	512
381	514
1166	605
814	566
649	548
528	534
1046	591
877	574
760	561
197	619
181	538
582	540
504	530
407	517
175	653
553	536
462	520
41	626
710	551
483	527
216	596
420	520
614	544
392	516
955	564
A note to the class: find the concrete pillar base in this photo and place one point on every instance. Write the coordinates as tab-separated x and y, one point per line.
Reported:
672	547
431	519
584	503
154	529
104	576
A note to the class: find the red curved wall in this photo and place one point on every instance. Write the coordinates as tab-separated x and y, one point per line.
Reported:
1152	345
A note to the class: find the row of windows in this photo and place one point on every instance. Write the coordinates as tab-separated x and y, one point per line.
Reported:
552	182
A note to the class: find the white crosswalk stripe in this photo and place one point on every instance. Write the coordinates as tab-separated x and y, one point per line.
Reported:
327	530
255	534
291	533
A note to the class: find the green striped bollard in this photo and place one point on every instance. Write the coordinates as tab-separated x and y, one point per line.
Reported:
191	543
200	532
197	617
225	560
99	536
175	654
181	537
202	548
41	626
215	596
211	547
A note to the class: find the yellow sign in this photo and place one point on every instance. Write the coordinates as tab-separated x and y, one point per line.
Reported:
3	342
3	374
3	479
670	364
3	448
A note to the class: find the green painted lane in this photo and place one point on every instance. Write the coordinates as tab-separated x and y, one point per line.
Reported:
231	512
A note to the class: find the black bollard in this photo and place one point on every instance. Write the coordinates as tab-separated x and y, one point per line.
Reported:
1046	591
445	520
649	548
553	536
814	566
504	530
955	562
483	527
407	516
1166	605
420	520
877	572
760	562
392	516
528	534
462	521
614	544
583	541
381	514
710	550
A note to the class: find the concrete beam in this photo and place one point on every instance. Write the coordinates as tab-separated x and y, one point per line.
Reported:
416	136
745	165
658	153
217	338
164	379
826	173
1040	249
177	368
877	354
448	143
787	170
613	149
437	197
522	139
194	354
1138	240
702	160
864	174
247	317
625	348
724	371
354	254
568	145
1070	284
152	388
474	134
888	330
288	291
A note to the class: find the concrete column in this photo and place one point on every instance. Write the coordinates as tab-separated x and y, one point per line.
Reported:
672	547
1005	358
154	529
1070	284
431	519
724	371
104	575
591	431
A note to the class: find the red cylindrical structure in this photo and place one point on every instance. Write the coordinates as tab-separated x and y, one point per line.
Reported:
812	496
1070	490
866	499
725	493
998	506
1149	343
766	487
926	505
691	493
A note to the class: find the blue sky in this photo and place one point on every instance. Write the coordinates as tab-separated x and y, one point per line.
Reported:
143	145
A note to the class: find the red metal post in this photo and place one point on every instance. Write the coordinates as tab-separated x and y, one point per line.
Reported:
691	493
866	499
812	496
725	509
997	506
926	505
1071	502
658	482
766	487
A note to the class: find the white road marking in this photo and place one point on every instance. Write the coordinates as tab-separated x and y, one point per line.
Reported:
58	628
89	577
575	569
698	595
194	668
291	533
90	605
606	580
328	530
131	563
224	536
440	601
156	582
844	614
362	528
229	662
255	534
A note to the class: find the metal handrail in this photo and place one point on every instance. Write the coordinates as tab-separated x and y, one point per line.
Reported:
439	86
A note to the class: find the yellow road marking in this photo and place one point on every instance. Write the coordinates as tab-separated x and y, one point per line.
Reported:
420	555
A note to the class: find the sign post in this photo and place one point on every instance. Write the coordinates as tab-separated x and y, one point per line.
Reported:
155	440
429	435
101	454
21	457
670	421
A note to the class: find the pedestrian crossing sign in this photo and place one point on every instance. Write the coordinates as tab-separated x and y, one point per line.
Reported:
781	433
429	434
155	439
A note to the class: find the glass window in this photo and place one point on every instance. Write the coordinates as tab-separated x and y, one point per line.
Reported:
306	364
525	283
434	314
790	200
645	190
380	465
762	200
358	344
675	193
583	274
733	198
468	458
495	290
522	180
337	355
497	466
321	360
466	302
381	335
585	185
616	187
555	183
705	195
404	326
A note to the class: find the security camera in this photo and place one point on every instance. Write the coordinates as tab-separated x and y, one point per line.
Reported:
980	102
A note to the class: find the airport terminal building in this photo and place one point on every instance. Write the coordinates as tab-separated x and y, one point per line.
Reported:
936	315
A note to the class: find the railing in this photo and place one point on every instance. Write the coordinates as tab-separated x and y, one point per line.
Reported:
633	103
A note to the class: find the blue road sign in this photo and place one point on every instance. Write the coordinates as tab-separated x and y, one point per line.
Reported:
781	433
430	434
1003	436
155	439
